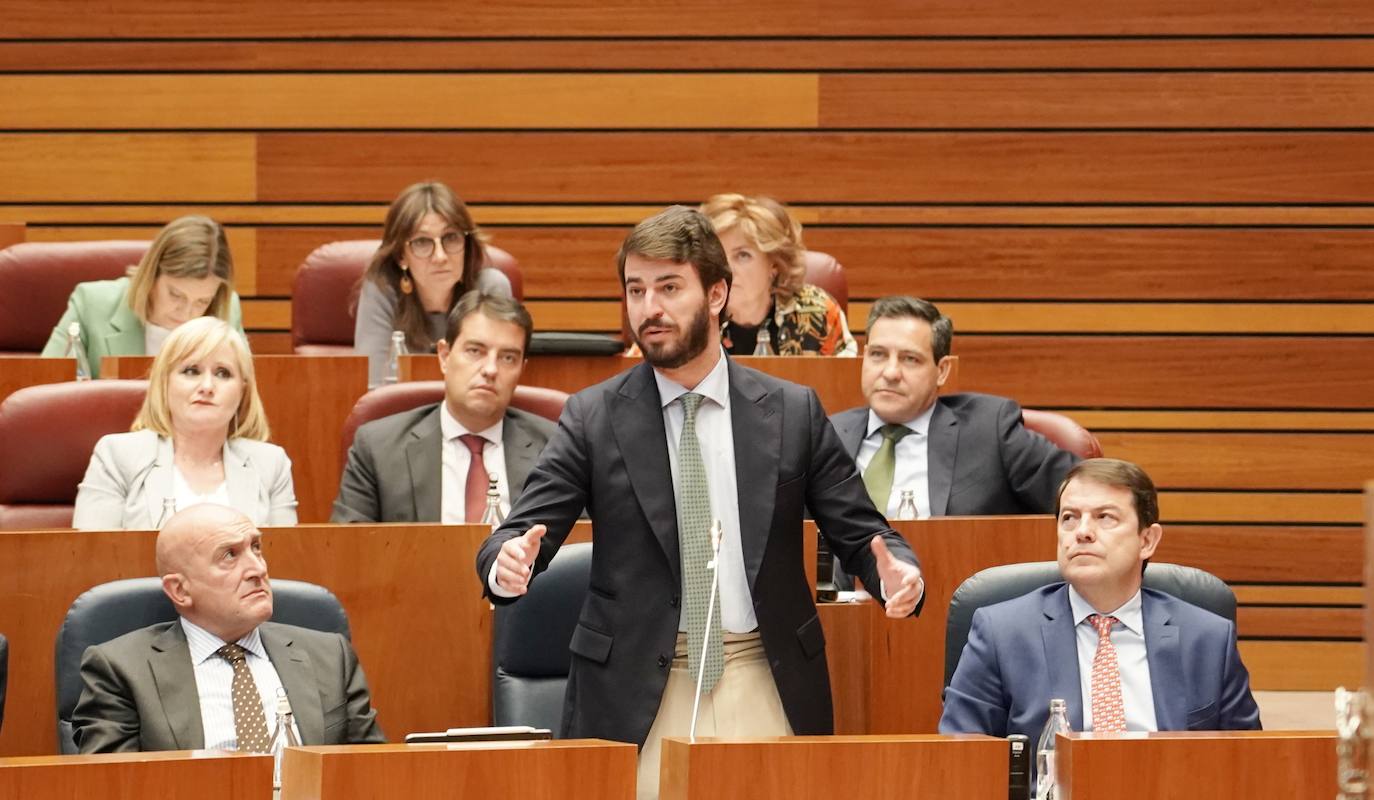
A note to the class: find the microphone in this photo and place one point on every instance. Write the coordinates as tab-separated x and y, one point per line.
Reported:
706	634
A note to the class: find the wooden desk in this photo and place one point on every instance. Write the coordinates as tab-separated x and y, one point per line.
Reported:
568	769
1184	766
18	372
307	399
969	767
202	774
886	675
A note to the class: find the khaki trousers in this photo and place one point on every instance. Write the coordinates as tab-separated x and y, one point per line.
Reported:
744	704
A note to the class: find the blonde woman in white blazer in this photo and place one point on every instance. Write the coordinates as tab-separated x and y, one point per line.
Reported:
200	437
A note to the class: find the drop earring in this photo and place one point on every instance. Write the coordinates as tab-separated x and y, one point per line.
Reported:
407	285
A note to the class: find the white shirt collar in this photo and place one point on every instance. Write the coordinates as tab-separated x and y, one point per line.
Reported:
203	644
1131	613
451	428
715	386
920	425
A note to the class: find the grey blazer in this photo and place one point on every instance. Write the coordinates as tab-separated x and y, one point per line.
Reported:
139	690
131	473
982	459
395	465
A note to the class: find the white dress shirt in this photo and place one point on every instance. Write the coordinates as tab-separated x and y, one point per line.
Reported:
215	679
1128	637
456	460
717	441
912	470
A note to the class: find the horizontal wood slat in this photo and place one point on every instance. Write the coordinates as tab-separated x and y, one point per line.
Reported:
1097	100
1306	623
1303	666
701	54
825	167
491	18
119	167
1335	461
1299	595
1163	372
188	102
1259	507
1267	553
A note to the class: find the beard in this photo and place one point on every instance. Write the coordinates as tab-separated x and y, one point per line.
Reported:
674	353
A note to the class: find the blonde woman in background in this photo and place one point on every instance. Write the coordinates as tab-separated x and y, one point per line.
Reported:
769	296
187	272
201	436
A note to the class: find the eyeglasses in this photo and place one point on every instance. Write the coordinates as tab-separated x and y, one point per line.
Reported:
423	246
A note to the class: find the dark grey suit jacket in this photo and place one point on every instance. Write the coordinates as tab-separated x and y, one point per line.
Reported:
982	459
140	690
610	455
395	465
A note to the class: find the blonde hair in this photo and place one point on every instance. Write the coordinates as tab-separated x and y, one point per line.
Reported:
193	341
768	227
188	247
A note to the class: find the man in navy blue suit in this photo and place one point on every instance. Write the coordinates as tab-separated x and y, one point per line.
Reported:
1176	665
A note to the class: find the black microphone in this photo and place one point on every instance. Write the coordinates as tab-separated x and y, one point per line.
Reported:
1019	768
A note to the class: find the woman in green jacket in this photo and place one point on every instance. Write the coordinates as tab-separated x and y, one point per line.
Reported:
188	272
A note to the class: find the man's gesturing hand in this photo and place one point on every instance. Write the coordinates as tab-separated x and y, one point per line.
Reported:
902	583
516	560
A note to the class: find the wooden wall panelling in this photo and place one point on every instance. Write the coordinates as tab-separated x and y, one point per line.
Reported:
520	18
1268	553
1295	461
1294	508
243	243
1302	666
805	167
1145	419
1301	623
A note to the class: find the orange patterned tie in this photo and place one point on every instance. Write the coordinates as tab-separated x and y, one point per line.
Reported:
1109	712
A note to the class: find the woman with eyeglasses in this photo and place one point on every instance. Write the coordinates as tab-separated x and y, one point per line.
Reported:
431	254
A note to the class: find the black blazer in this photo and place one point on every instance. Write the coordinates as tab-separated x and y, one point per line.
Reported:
610	455
982	459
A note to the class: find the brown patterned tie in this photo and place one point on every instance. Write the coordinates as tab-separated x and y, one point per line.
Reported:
475	494
250	725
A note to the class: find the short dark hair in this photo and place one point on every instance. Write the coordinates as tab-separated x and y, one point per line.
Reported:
681	235
899	306
1122	474
496	306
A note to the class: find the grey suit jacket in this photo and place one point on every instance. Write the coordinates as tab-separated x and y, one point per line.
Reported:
395	465
140	693
131	473
610	456
982	459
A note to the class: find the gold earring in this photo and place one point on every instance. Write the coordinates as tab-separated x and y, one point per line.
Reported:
407	285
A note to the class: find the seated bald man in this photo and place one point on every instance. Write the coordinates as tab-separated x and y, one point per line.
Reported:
171	686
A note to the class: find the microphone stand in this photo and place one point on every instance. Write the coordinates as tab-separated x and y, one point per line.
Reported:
710	612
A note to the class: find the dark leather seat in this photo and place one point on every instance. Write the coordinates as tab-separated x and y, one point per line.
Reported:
37	278
397	397
530	655
995	584
47	435
113	609
324	296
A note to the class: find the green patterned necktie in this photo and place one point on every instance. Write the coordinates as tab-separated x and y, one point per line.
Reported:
694	548
878	476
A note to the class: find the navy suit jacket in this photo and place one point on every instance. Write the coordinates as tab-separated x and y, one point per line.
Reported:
1022	652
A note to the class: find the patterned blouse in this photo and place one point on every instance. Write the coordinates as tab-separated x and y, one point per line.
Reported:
812	323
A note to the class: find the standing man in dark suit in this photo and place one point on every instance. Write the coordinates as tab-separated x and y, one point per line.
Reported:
1123	657
960	454
210	679
431	464
655	454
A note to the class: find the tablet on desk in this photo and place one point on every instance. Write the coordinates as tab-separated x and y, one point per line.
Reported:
499	733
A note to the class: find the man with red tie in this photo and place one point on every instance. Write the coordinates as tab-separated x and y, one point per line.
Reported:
1124	657
432	464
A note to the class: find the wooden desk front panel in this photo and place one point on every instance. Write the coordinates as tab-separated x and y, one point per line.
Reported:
18	372
568	769
204	775
1184	766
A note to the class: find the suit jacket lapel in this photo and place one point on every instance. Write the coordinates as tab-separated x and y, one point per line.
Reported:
297	675
940	452
851	426
1061	654
242	483
521	453
1165	657
754	418
126	334
158	485
643	444
424	456
175	680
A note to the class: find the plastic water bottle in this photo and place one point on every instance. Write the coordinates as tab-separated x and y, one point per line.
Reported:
75	350
763	346
1046	788
169	508
283	735
492	516
393	356
906	509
